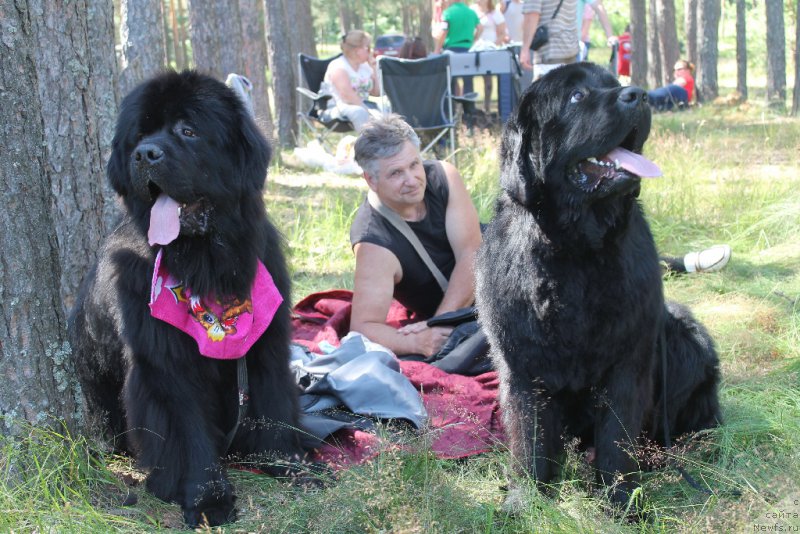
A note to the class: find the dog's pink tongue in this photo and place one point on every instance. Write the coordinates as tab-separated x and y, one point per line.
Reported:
164	222
634	163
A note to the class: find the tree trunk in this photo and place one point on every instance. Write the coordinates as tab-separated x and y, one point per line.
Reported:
302	24
668	37
741	49
776	54
706	88
282	63
75	78
216	37
690	27
638	42
425	19
796	92
254	54
142	38
182	35
50	179
655	76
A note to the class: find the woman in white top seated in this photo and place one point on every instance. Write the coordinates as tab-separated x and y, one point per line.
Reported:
351	78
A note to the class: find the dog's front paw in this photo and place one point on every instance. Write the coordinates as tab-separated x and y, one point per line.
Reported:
210	516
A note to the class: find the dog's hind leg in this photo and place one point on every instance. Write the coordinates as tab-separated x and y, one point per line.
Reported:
692	376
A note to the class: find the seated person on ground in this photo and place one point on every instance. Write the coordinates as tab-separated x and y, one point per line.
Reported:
678	93
351	79
432	198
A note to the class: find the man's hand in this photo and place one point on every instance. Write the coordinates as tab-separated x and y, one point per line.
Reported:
525	58
429	341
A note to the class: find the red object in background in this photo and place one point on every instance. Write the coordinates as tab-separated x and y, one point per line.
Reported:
624	55
388	45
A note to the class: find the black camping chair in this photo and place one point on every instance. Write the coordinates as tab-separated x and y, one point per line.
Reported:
419	91
317	117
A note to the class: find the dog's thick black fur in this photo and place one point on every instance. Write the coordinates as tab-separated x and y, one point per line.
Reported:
186	135
569	288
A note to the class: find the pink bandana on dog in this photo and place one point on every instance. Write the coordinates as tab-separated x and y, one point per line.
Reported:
224	329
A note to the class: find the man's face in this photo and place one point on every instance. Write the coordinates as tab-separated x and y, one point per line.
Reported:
401	178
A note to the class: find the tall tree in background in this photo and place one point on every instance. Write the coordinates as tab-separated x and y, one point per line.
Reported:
302	24
741	48
254	56
776	54
638	42
796	92
175	49
50	187
709	12
216	37
351	15
655	72
668	37
142	39
282	65
690	29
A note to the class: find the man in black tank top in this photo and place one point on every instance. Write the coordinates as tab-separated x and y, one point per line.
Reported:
431	197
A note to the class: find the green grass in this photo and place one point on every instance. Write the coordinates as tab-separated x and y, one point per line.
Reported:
731	175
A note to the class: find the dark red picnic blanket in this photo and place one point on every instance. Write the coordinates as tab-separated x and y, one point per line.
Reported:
463	412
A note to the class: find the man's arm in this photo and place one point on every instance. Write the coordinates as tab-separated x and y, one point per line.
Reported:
464	235
377	272
530	22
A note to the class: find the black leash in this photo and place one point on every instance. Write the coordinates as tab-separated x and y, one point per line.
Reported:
244	397
662	338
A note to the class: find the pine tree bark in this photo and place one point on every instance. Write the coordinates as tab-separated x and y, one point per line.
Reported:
639	43
282	63
254	54
50	179
690	27
668	37
142	37
216	36
706	88
741	49
776	54
302	24
655	76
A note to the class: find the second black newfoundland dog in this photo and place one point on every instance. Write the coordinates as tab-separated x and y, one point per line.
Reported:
192	280
569	287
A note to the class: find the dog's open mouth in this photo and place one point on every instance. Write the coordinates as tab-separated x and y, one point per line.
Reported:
168	219
618	164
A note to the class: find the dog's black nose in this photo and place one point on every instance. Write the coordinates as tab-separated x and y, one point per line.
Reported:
633	96
148	153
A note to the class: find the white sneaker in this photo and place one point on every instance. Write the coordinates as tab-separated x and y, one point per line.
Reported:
708	260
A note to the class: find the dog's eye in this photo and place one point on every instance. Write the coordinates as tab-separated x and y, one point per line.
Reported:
188	132
576	97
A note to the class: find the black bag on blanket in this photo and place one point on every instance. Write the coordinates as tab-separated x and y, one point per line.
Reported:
466	351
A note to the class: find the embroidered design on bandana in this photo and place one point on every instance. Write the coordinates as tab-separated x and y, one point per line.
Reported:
224	328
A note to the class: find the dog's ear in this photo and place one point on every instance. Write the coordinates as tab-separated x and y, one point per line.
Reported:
520	155
127	127
256	152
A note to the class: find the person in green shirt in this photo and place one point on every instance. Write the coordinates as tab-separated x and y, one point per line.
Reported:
460	28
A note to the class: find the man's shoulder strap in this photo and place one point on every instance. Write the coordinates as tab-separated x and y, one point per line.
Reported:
402	226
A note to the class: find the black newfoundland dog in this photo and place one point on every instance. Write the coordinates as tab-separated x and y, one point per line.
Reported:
158	352
569	287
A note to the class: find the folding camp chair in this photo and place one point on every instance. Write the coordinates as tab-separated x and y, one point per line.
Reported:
317	117
419	91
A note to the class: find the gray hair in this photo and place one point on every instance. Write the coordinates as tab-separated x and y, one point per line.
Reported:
380	139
